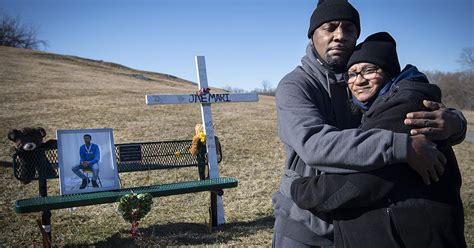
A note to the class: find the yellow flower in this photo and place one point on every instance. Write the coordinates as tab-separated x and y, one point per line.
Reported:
202	137
177	153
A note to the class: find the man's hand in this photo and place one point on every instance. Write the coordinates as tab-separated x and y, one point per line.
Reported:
85	164
438	124
425	159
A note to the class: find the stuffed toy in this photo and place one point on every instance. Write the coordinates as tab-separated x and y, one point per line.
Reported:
198	149
28	144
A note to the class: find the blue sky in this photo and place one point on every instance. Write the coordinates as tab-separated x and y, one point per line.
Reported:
245	41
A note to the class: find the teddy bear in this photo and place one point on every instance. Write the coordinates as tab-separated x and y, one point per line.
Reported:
198	149
28	145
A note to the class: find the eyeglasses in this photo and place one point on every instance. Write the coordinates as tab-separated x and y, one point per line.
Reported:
367	73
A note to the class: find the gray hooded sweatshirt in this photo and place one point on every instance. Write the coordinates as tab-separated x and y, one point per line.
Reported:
314	121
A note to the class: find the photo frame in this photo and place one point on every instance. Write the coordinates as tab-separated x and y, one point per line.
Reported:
87	161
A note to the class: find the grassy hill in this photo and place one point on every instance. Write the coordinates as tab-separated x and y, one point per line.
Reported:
66	92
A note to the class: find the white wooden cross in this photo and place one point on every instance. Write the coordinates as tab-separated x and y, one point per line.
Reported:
205	99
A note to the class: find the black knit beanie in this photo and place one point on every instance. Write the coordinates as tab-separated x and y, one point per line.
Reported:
330	10
379	49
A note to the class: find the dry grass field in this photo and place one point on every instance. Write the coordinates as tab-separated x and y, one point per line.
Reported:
63	92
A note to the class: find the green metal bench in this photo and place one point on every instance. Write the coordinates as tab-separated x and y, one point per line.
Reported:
131	157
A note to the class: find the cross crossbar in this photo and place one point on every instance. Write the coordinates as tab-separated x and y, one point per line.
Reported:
206	98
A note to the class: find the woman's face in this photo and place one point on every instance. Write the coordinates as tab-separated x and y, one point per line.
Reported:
365	80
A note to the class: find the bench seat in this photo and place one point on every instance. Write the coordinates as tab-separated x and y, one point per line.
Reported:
75	200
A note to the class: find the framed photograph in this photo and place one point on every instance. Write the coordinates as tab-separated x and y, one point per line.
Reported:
86	161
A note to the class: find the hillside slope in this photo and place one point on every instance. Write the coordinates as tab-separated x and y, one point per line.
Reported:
61	92
65	92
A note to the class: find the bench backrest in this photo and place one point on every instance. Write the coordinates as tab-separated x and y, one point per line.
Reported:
130	157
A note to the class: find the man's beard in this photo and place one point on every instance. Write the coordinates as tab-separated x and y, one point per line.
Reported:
337	64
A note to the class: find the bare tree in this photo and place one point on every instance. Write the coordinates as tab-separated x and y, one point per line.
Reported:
231	89
457	87
266	89
266	86
15	34
466	59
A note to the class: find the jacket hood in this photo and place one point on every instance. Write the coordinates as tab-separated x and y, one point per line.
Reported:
319	70
411	73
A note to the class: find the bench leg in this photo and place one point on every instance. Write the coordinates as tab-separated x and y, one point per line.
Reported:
44	234
46	227
46	215
202	171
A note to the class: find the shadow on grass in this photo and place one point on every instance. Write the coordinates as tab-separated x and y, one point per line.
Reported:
188	234
6	164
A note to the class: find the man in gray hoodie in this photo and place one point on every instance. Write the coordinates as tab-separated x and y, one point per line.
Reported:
315	121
